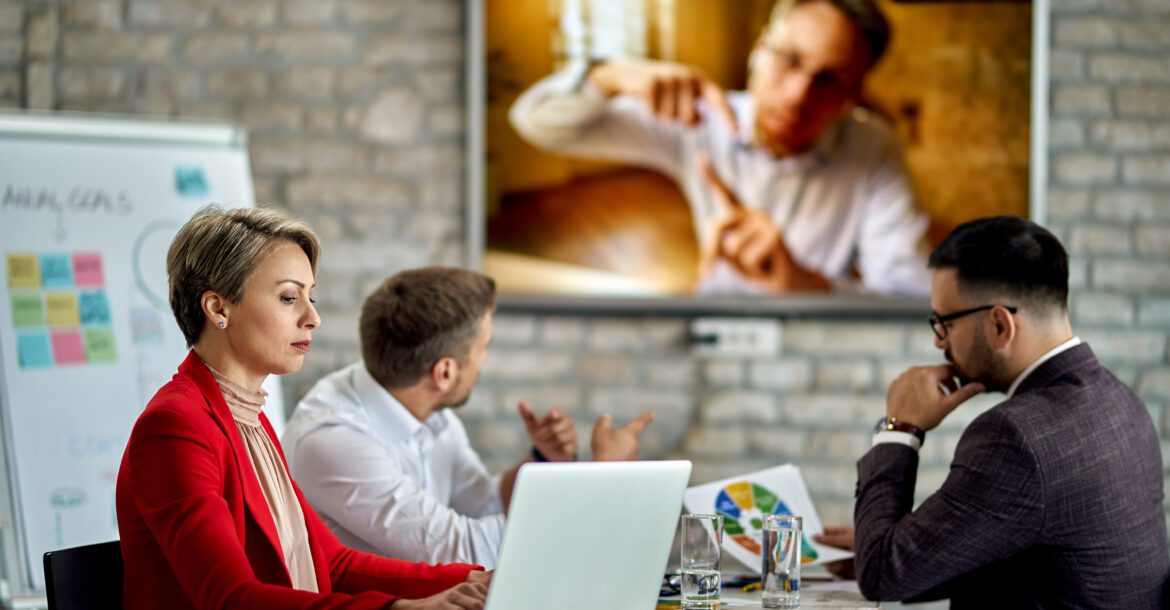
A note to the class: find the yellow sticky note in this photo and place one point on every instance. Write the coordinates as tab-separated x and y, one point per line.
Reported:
23	270
62	307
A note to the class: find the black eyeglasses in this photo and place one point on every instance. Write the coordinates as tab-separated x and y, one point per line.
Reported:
939	323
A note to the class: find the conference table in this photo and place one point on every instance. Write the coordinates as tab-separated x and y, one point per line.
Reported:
821	594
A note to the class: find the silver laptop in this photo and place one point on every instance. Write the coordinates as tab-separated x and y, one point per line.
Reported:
585	536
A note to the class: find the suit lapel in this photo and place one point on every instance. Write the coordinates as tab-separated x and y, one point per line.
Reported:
253	496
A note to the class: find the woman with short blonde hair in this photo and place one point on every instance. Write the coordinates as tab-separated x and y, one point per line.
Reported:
207	512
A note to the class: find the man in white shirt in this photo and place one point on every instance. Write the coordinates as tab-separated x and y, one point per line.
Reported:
790	187
377	450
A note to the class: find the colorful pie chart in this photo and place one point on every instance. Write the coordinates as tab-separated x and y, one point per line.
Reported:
744	505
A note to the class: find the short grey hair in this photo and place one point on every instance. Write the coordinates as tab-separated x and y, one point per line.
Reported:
218	249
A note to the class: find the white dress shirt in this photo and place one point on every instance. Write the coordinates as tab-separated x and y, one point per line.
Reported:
387	483
847	201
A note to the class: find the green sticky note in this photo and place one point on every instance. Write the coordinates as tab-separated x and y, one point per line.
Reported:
27	311
99	345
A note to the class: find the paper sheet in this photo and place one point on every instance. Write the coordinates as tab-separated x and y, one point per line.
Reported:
745	500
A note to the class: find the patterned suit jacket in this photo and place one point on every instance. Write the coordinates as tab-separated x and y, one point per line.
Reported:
1053	500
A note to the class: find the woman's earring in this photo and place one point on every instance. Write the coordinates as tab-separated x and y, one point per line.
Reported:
222	324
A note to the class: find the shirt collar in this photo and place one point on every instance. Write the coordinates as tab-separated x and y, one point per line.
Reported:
826	145
394	418
1049	355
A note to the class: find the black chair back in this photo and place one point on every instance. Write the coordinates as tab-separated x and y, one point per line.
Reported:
85	577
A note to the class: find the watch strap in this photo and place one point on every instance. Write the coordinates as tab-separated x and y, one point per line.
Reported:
893	424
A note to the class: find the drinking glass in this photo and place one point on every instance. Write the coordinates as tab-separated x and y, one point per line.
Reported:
782	553
702	548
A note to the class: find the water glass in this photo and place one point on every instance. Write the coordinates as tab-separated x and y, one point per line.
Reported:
702	549
782	556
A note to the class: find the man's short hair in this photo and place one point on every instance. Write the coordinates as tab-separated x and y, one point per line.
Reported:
417	317
871	23
218	249
1010	256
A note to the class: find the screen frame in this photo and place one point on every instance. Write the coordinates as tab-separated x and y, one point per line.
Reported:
801	305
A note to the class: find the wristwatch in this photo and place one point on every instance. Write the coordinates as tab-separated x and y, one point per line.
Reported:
891	424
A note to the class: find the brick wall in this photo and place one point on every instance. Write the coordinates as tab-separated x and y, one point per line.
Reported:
355	111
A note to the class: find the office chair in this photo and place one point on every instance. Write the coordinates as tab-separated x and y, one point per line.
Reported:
85	577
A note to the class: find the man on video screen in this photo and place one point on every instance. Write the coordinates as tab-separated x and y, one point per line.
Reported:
792	188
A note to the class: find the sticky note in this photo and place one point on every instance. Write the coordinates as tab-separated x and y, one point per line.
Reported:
190	181
146	327
87	269
27	310
67	347
99	345
23	271
95	310
33	351
62	308
56	271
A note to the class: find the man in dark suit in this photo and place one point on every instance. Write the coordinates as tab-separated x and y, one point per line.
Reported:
1054	497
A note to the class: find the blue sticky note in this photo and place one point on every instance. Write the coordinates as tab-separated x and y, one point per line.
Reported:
95	309
56	271
190	181
33	350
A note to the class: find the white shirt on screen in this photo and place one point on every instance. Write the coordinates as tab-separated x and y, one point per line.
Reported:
845	203
387	483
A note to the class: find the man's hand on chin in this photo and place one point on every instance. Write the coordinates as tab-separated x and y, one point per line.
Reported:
917	398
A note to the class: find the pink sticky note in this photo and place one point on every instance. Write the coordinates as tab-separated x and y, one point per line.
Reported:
68	347
87	269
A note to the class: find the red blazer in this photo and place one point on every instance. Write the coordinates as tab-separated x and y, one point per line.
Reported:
196	530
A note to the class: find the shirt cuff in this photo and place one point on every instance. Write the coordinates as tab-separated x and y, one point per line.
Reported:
894	436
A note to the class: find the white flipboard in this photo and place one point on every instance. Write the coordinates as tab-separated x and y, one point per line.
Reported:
88	208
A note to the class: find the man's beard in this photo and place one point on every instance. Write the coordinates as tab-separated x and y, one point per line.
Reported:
459	401
982	365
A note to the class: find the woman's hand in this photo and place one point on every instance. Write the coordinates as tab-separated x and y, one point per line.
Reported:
463	596
481	577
